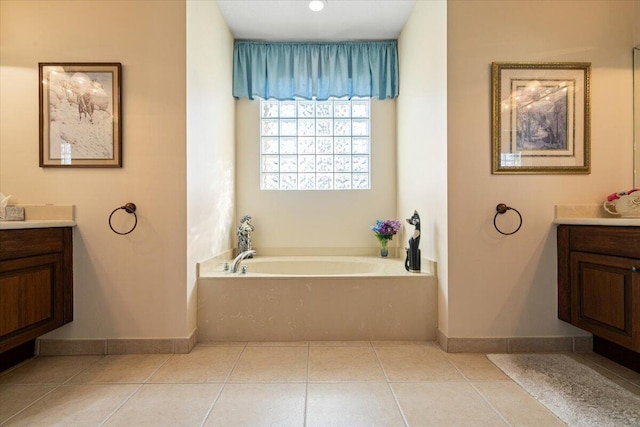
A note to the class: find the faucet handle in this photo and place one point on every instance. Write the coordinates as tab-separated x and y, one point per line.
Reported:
225	267
244	269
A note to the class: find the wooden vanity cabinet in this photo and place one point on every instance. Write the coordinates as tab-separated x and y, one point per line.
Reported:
36	283
599	281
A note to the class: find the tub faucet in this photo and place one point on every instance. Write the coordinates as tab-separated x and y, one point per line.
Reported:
239	258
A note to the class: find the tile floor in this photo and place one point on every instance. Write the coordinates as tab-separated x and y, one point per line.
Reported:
278	384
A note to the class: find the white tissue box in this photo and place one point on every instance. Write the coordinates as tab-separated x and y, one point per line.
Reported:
12	213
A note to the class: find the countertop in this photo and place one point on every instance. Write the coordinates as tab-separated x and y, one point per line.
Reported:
591	215
621	222
43	216
36	223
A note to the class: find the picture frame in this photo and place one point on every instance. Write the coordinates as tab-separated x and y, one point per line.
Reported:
80	114
541	117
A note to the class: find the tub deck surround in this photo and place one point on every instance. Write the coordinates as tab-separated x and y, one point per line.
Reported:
324	266
214	267
43	216
313	298
590	215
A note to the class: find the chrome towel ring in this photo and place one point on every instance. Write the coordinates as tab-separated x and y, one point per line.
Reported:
129	208
501	209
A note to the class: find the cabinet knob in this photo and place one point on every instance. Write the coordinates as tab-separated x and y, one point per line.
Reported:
634	269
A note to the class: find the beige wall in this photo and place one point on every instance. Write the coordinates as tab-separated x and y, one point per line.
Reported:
294	219
210	140
422	134
125	286
134	286
637	21
506	285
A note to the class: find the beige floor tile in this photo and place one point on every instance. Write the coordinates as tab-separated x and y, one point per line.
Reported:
331	364
444	404
167	405
16	397
340	343
416	363
48	369
271	364
476	367
202	365
352	404
77	405
255	405
128	368
516	405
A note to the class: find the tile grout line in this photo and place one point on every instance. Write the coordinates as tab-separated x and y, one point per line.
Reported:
235	364
224	384
213	403
81	371
124	402
306	387
482	396
146	381
140	385
33	359
395	398
32	403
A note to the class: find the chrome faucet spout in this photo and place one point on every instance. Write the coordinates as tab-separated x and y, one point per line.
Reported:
236	262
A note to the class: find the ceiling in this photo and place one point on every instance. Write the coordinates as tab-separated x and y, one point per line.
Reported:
291	20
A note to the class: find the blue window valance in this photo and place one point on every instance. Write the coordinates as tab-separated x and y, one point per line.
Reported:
286	70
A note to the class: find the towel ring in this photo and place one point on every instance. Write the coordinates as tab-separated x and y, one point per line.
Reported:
128	208
501	209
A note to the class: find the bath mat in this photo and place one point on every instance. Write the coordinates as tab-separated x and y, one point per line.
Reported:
577	394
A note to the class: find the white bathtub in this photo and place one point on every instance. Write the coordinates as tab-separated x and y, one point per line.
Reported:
323	266
316	298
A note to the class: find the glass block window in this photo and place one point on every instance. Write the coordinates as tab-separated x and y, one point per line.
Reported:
315	145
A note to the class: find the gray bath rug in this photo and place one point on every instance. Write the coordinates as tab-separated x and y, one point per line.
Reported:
577	394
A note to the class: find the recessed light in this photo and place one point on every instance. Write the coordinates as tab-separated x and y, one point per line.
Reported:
317	5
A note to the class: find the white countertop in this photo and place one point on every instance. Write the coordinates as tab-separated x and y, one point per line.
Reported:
36	223
621	222
590	215
43	216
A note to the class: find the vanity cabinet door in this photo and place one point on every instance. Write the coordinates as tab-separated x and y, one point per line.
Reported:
36	283
606	297
31	298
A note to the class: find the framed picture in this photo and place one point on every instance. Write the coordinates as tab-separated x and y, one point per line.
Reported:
80	116
541	117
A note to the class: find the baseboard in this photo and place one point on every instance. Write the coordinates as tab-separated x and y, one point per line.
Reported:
576	344
68	347
621	355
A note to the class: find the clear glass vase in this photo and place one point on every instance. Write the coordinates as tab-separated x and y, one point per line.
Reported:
384	251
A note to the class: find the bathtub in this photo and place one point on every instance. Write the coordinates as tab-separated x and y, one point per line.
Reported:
307	298
320	266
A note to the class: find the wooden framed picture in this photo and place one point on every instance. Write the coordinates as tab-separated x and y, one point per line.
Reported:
80	115
541	117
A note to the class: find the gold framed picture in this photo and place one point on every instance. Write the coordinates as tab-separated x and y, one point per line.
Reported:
541	117
80	115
